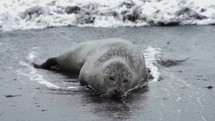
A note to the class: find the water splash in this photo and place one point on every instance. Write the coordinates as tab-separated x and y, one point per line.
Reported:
150	54
30	72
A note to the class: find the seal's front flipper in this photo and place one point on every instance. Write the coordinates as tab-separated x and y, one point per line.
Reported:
51	62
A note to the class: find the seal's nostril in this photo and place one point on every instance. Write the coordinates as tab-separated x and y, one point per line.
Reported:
117	92
111	78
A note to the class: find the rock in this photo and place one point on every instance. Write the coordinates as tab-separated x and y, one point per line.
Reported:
72	9
9	96
209	87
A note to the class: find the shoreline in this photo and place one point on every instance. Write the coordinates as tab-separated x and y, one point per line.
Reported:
180	92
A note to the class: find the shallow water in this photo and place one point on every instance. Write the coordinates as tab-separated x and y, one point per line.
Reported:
181	94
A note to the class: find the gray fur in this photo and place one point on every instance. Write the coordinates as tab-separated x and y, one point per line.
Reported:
109	66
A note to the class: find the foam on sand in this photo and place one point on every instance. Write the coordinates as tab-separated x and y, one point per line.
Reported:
30	72
150	54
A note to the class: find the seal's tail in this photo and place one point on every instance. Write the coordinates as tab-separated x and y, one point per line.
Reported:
48	64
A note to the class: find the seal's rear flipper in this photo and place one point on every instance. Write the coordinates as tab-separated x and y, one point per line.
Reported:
48	64
169	62
36	65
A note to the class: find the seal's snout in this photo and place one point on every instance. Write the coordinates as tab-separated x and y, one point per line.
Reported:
116	93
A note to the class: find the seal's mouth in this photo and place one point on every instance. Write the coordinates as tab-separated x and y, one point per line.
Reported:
116	96
113	94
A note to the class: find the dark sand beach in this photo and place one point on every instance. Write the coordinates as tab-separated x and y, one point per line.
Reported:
185	92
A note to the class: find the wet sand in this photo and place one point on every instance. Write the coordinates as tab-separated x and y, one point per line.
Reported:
184	92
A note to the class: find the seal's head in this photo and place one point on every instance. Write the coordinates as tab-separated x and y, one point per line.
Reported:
117	78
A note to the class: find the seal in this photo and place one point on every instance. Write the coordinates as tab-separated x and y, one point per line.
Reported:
112	67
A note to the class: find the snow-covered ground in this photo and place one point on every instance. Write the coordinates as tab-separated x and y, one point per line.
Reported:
35	14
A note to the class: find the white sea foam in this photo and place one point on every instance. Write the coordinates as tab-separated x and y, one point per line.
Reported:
31	72
33	75
35	14
32	54
150	57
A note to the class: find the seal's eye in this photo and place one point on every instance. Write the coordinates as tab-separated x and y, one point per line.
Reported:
111	78
126	80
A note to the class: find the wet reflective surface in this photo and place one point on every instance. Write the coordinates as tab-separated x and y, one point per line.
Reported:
181	94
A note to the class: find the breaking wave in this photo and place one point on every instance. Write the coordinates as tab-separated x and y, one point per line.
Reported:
37	14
